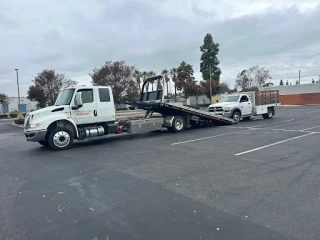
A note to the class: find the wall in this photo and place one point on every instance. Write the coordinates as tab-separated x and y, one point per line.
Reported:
14	102
298	94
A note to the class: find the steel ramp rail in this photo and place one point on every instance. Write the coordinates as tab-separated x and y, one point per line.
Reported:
199	113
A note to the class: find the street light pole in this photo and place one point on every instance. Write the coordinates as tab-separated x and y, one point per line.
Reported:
18	88
210	86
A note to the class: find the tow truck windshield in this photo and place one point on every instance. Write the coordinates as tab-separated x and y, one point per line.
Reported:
64	97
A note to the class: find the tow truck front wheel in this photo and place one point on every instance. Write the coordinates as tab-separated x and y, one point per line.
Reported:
178	124
60	138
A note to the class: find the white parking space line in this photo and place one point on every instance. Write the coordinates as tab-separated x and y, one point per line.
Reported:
289	120
273	144
199	139
310	128
314	111
275	129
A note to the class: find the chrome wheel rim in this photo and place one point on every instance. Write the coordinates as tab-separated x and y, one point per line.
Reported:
178	124
61	139
236	117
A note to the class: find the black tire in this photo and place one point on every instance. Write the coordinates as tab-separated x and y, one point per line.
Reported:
269	114
236	116
60	138
43	143
178	125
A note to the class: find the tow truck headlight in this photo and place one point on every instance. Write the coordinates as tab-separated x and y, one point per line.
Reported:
34	125
227	109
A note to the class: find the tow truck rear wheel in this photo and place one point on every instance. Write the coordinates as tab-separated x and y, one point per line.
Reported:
60	138
178	124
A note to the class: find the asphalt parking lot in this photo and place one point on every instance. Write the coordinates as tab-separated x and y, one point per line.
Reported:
259	179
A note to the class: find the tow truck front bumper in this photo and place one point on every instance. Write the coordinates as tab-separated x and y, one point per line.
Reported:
35	136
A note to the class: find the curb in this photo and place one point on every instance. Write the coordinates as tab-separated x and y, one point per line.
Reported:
17	125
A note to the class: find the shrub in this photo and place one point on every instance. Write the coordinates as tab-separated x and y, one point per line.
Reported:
122	109
19	121
3	116
24	114
13	115
132	108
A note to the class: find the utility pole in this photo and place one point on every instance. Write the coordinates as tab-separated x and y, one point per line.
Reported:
299	77
210	85
18	88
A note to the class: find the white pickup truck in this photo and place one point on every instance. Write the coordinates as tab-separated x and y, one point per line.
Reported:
244	105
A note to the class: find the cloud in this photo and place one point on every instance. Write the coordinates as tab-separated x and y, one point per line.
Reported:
75	38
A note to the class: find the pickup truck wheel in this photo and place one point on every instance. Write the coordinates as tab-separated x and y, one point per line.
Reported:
178	125
269	114
43	143
236	116
60	138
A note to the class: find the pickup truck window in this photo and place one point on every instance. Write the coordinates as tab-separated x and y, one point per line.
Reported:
87	95
244	99
104	95
230	99
64	97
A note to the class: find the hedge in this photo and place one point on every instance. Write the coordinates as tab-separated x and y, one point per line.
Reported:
2	116
19	121
13	115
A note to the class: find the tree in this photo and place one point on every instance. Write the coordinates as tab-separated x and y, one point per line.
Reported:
243	80
191	88
297	82
224	87
281	82
37	94
216	89
287	82
138	76
165	74
120	77
4	99
313	81
209	59
48	83
184	75
173	74
259	75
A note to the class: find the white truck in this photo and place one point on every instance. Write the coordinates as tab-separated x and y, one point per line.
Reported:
88	111
244	105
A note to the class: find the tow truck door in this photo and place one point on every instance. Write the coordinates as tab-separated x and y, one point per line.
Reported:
88	112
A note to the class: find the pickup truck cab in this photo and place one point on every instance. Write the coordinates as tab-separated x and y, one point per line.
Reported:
245	105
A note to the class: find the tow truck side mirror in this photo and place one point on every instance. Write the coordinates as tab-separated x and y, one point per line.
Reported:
78	100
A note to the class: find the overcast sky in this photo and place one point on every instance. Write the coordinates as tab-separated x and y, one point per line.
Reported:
73	37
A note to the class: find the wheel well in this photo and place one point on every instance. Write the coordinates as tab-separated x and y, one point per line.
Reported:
236	110
61	123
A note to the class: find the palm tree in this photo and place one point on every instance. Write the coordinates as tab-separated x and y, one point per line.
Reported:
138	76
151	74
165	73
173	74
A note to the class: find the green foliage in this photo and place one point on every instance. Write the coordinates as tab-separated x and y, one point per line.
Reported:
4	99
165	74
122	109
281	82
254	77
209	59
287	82
194	106
13	115
297	82
120	77
3	116
19	121
47	85
132	107
184	75
313	81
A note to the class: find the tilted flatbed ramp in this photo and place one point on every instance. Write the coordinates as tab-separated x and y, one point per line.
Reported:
196	112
